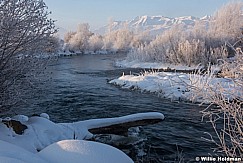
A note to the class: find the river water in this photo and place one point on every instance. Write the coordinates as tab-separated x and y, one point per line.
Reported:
79	91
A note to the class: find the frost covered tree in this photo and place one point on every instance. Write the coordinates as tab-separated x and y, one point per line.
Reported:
227	22
123	40
140	38
68	36
25	32
108	40
95	43
54	44
78	41
118	39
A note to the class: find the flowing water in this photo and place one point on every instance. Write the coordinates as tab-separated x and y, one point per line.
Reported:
79	91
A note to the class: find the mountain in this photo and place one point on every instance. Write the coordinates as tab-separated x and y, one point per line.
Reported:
153	24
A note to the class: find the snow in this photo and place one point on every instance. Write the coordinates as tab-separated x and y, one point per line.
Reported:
176	86
10	160
80	151
20	118
154	24
10	153
164	84
44	115
153	65
46	136
96	123
75	151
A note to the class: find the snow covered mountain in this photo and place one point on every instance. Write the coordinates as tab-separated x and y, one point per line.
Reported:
153	24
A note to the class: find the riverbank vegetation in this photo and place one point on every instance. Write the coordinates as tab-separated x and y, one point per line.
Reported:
26	33
206	42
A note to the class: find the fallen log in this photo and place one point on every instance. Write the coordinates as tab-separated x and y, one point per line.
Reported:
122	128
35	133
119	125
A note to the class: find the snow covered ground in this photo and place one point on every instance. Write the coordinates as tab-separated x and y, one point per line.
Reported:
55	141
80	151
153	65
178	86
75	151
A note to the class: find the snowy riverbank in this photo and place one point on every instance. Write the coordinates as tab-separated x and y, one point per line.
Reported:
153	65
175	86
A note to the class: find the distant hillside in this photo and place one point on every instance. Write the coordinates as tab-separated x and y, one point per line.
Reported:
153	24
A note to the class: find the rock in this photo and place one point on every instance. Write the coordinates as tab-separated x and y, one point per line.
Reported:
17	126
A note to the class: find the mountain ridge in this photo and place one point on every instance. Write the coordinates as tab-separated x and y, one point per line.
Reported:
153	24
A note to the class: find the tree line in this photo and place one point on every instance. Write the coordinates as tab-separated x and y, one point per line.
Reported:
206	42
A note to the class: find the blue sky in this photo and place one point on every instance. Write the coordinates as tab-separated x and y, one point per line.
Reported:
69	13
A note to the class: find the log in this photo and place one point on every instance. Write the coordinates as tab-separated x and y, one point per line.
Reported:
122	128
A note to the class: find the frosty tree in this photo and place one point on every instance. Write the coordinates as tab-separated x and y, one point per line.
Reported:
25	30
227	22
78	41
95	43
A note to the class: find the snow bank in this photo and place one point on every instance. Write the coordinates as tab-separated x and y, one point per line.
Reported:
75	151
80	151
10	153
153	65
167	85
176	86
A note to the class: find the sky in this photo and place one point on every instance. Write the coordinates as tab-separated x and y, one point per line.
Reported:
70	13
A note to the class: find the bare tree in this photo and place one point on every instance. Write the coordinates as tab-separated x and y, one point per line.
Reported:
25	32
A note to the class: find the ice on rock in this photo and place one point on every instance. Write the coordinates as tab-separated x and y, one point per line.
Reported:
45	115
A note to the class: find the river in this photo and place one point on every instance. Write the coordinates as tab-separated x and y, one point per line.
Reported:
79	90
